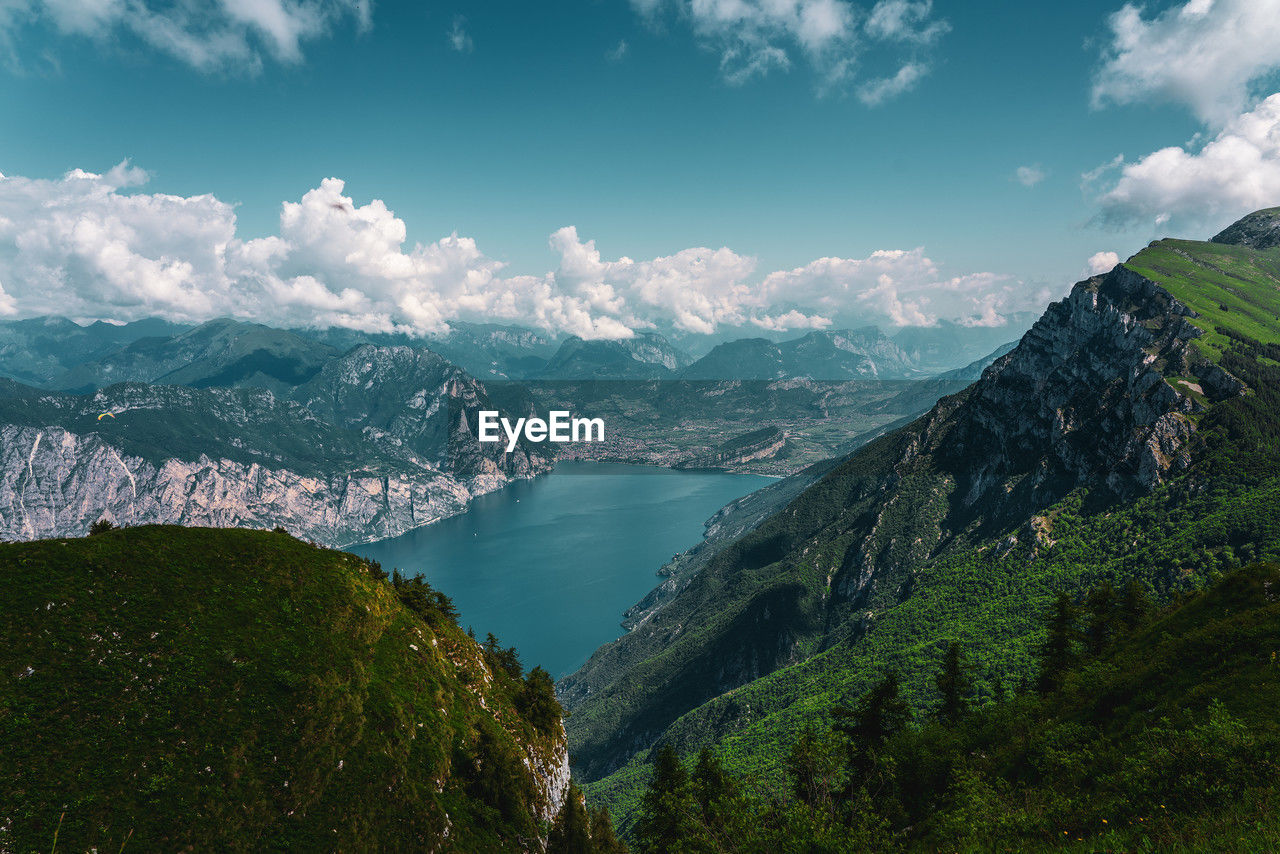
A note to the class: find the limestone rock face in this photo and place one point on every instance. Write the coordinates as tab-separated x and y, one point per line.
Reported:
56	483
1084	400
381	441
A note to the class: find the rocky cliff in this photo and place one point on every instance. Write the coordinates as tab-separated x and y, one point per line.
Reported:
1102	394
382	442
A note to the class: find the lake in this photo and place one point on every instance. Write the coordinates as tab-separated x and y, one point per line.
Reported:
549	565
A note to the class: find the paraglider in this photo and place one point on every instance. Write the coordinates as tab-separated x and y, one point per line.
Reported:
105	414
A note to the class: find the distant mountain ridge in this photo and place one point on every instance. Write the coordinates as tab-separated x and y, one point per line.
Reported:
824	355
647	356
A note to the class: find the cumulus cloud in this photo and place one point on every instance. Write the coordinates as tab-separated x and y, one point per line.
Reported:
97	246
206	34
899	287
1029	176
1102	262
1204	53
756	37
1205	187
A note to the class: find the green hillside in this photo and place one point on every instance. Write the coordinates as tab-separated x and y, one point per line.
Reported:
215	690
1164	738
1235	290
965	525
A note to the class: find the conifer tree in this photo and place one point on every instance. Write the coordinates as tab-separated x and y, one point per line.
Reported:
603	838
1101	628
1059	650
954	685
812	772
715	791
667	822
571	832
880	714
1135	605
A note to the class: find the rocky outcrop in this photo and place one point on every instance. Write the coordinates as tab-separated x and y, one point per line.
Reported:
57	483
382	442
1090	398
1258	230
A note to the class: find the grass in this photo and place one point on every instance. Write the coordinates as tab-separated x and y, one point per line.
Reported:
1228	286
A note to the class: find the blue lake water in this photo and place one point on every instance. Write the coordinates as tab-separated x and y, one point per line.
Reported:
549	565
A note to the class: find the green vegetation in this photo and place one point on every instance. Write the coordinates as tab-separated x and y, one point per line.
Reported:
1165	739
777	634
237	690
1232	288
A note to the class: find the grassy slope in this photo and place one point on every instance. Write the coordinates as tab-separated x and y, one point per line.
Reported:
230	690
1229	286
991	597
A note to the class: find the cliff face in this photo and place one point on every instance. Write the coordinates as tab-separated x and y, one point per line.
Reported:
383	442
1101	393
1088	398
56	483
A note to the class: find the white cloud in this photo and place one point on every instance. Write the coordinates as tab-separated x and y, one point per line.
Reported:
618	52
1182	188
1204	54
899	287
208	35
876	92
1102	262
904	20
459	40
755	37
96	246
1029	176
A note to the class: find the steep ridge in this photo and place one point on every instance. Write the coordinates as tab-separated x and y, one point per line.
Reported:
189	689
38	350
1095	409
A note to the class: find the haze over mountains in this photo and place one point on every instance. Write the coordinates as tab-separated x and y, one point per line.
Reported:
344	437
56	353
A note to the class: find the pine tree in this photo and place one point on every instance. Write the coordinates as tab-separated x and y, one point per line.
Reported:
880	714
812	772
954	685
603	838
537	701
715	791
1101	628
1058	652
667	822
571	833
1135	606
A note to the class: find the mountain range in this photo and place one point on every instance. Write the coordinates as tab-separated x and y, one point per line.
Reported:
56	354
1129	436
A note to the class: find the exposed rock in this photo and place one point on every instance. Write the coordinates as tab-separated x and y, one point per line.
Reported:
1259	230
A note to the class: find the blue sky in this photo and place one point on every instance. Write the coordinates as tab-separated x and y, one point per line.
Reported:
505	122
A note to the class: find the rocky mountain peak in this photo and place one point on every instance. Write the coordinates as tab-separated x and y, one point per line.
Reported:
1258	230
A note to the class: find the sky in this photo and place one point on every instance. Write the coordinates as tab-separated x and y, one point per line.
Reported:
604	167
